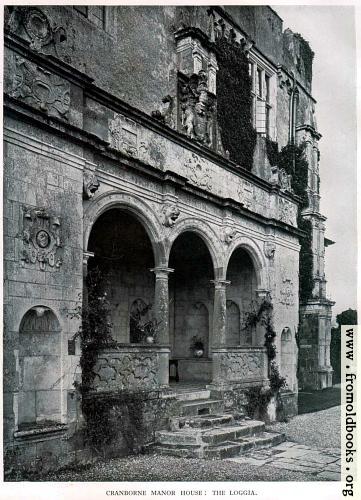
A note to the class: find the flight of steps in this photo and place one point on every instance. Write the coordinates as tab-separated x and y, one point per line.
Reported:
203	430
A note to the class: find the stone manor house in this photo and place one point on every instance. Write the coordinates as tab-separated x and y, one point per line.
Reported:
175	151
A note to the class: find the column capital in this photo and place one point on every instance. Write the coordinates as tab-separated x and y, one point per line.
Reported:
86	256
161	271
220	284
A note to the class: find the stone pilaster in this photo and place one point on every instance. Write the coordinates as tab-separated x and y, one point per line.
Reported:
161	302
219	313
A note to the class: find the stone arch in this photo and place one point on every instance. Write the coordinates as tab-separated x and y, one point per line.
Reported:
206	233
143	212
256	255
39	367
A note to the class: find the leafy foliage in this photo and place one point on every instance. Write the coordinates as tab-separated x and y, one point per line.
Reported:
95	331
234	103
292	159
259	397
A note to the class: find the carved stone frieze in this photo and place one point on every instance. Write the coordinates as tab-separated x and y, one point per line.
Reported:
170	213
31	23
287	212
197	108
198	172
126	370
245	193
123	135
40	88
239	366
41	238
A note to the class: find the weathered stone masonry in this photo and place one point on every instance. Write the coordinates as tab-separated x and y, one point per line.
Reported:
113	157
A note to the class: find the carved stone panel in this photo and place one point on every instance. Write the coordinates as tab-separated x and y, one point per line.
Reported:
41	238
198	172
287	294
126	370
31	23
123	135
40	88
237	366
245	192
287	212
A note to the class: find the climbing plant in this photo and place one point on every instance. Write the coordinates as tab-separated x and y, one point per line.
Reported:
259	397
95	331
292	159
234	103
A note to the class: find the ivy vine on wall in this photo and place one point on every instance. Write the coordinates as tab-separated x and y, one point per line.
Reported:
292	159
258	398
234	103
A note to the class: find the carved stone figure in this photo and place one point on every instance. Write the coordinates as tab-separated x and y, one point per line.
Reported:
166	115
197	108
90	185
41	89
170	215
279	177
229	234
31	22
269	249
41	237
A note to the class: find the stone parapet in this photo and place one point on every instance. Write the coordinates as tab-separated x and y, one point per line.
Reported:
240	366
131	367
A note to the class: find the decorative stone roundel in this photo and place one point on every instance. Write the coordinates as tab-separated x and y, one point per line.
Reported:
37	26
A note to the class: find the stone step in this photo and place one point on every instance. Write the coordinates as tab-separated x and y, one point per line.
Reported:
202	407
263	440
244	428
211	436
199	422
193	395
226	449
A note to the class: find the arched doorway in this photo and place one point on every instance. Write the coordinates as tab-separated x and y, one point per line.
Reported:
191	296
241	296
123	253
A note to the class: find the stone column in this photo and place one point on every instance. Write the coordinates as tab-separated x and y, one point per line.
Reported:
161	302
219	313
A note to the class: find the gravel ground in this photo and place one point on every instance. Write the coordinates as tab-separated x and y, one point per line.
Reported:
318	430
159	468
321	429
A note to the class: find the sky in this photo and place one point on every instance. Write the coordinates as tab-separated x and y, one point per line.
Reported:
330	30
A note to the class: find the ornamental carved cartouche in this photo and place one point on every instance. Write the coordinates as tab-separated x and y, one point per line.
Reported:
41	238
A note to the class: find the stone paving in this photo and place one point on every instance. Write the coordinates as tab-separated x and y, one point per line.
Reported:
323	464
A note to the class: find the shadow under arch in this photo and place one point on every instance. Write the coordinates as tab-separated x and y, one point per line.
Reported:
206	234
256	256
136	207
